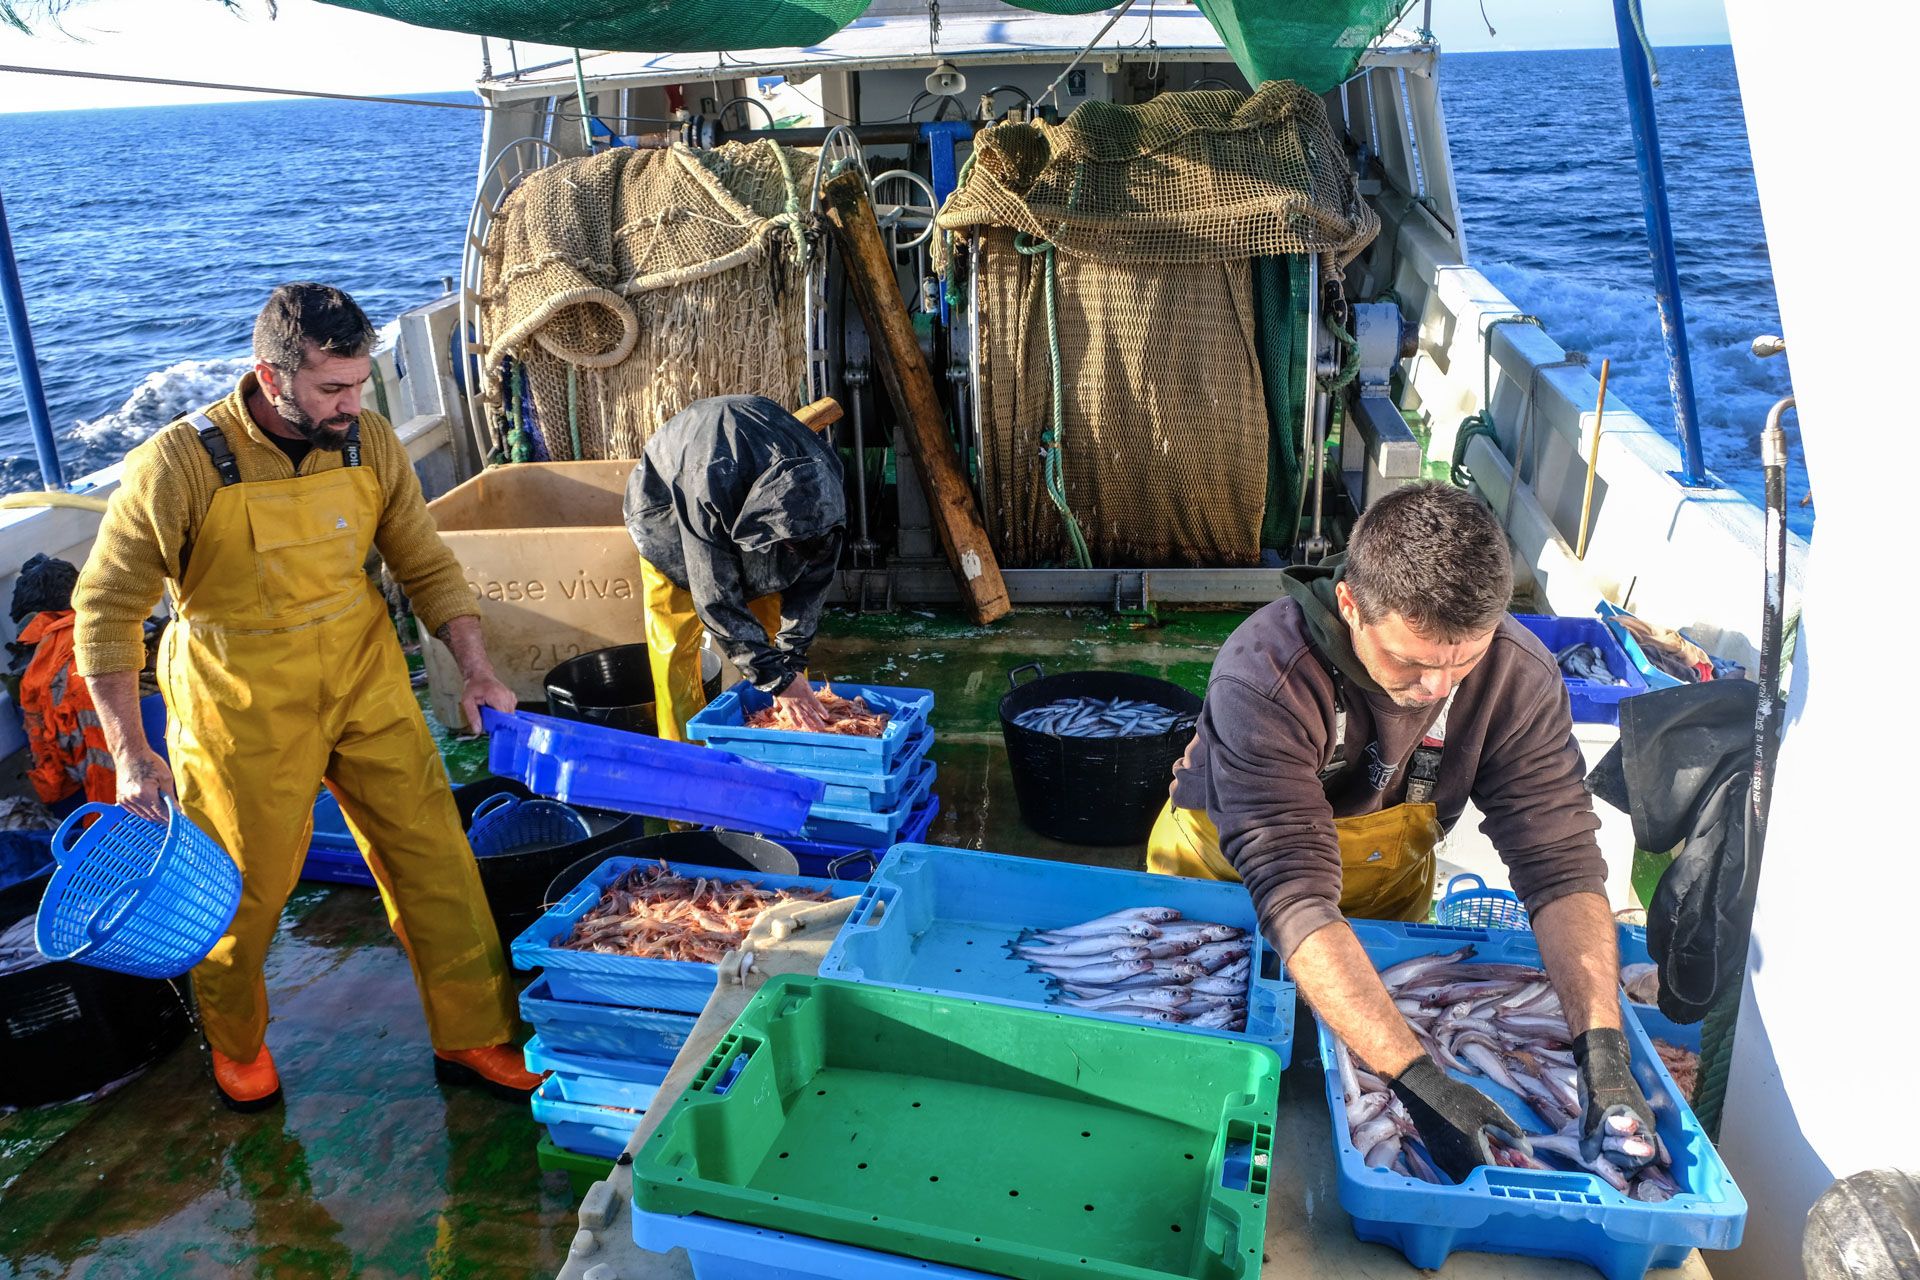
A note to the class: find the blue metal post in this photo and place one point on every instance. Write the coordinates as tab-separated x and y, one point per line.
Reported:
14	302
1666	272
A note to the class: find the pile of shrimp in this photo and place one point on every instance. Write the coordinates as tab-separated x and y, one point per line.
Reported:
652	912
850	716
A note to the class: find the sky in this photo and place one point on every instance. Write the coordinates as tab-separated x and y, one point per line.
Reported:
314	46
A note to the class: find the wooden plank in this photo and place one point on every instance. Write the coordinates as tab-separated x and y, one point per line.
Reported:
821	414
902	367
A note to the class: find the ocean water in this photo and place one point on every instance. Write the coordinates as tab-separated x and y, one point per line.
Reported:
148	238
1544	164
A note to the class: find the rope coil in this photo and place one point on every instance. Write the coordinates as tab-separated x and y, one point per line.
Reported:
1052	440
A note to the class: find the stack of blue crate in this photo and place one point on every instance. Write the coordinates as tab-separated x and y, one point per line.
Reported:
879	791
606	1062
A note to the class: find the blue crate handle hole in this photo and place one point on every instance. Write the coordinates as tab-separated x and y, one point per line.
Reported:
492	804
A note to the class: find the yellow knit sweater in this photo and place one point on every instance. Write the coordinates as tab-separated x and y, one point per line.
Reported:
165	489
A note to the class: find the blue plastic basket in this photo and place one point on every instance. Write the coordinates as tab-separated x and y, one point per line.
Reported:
838	860
601	768
721	1250
1527	1211
1593	702
507	824
938	920
1469	904
722	724
631	981
604	1030
135	896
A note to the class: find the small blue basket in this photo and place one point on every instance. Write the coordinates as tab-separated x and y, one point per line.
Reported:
507	824
134	896
1469	904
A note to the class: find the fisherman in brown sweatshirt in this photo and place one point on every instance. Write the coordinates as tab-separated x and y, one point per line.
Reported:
1345	729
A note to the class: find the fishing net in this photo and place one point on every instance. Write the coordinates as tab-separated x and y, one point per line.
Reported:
1206	176
1157	449
629	284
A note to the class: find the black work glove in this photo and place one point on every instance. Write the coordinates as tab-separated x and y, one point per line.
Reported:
1453	1118
1610	1098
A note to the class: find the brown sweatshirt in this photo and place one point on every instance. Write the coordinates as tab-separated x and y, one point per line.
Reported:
1267	731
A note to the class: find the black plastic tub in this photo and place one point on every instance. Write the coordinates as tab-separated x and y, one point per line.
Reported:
515	881
1096	791
67	1029
722	850
614	687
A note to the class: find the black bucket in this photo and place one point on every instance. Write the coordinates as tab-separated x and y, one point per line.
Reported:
722	850
614	687
1099	791
514	882
67	1029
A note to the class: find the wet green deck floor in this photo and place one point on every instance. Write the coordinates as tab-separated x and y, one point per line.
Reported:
373	1169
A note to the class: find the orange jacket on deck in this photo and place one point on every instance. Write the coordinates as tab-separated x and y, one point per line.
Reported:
63	730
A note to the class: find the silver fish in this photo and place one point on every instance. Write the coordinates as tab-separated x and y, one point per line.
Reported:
1114	921
1090	944
1153	998
1110	971
1224	1018
1407	970
1216	956
1219	985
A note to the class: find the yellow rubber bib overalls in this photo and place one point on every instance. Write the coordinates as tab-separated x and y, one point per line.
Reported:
674	633
281	668
1387	863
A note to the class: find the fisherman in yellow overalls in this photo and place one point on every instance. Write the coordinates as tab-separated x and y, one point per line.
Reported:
738	510
281	670
1345	729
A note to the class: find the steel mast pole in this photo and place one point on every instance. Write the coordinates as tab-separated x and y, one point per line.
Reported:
13	300
1638	74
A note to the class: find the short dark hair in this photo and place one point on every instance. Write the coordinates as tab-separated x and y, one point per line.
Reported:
304	312
1436	556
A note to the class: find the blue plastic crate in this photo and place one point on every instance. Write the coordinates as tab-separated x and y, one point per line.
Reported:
871	791
1593	702
631	981
854	862
582	1127
721	1250
938	920
332	856
600	768
1526	1211
722	724
1633	950
603	1030
596	1081
864	827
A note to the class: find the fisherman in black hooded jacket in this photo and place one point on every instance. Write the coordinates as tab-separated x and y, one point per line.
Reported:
738	510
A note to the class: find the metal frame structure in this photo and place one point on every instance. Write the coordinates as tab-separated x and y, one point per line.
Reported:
497	181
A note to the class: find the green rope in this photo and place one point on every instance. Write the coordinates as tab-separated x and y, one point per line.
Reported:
521	444
1481	423
1052	439
1350	362
573	409
1716	1059
1646	45
380	391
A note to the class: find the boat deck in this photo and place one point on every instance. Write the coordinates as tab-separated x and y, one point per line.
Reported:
372	1169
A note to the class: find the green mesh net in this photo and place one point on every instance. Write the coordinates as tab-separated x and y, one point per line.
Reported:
660	26
1315	42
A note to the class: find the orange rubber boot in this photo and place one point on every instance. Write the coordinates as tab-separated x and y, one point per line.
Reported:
246	1086
499	1068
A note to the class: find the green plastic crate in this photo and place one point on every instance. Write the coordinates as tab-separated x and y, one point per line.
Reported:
1014	1141
582	1171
